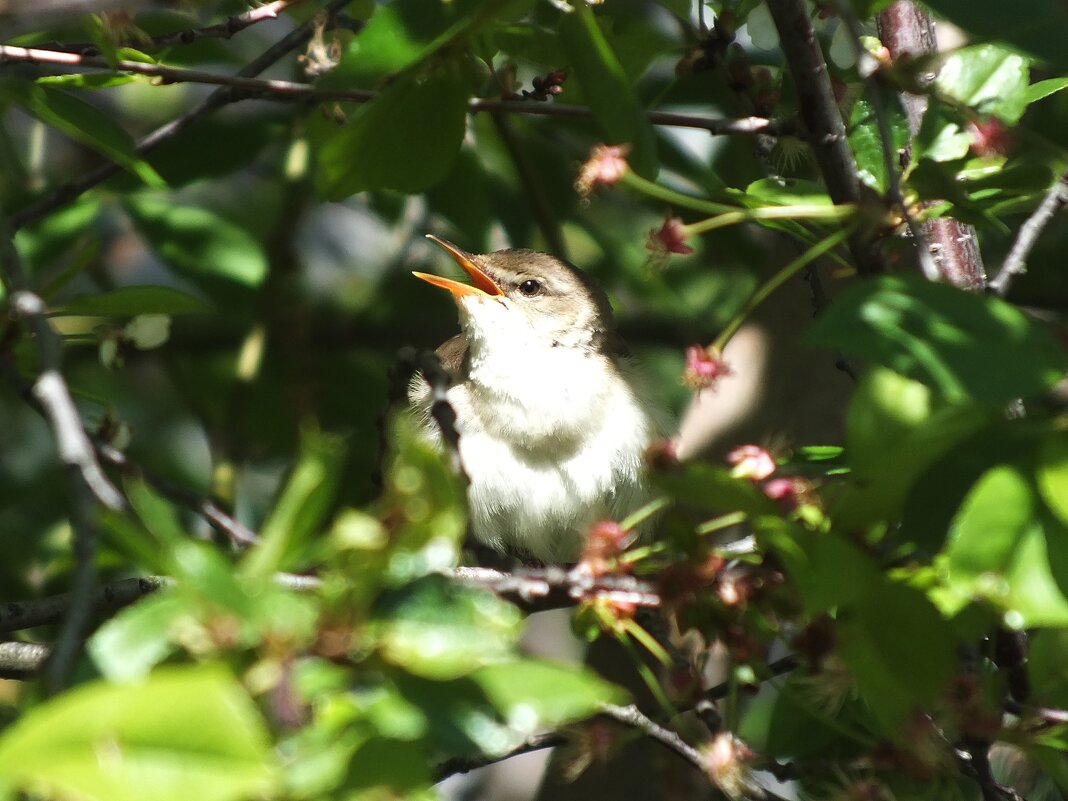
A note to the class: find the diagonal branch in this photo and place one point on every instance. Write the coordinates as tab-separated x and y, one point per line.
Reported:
824	129
1016	262
70	191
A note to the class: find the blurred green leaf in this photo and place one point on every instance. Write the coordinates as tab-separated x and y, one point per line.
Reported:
1035	28
607	89
129	301
138	638
302	507
87	80
83	122
1052	473
899	649
963	345
533	695
182	733
197	242
405	139
987	78
440	630
384	768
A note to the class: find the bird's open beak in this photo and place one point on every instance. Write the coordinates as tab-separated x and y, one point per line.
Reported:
481	284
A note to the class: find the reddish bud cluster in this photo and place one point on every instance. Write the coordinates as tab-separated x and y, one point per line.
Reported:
752	462
605	542
704	367
670	237
990	137
546	86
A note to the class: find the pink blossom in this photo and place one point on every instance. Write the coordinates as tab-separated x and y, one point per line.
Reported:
704	367
670	237
605	166
752	462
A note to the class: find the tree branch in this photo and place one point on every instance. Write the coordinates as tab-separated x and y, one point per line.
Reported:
1016	262
19	659
908	32
538	742
536	590
72	190
19	615
824	129
632	716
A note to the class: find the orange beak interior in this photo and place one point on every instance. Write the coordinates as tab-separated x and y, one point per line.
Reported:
481	284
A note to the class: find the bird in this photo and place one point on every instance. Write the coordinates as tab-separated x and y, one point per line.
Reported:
552	415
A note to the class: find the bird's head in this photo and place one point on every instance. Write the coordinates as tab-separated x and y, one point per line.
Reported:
527	299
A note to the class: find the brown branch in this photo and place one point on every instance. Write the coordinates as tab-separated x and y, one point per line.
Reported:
538	742
240	534
536	590
824	129
72	190
19	615
907	31
295	91
1016	261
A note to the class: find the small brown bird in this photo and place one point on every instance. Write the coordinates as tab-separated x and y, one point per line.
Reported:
553	425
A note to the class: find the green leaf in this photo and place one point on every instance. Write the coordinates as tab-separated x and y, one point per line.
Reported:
87	80
138	638
1052	474
989	526
607	89
1042	89
405	139
302	507
534	695
865	138
197	242
183	733
82	122
1036	28
900	650
129	301
987	78
440	630
963	345
1037	578
383	768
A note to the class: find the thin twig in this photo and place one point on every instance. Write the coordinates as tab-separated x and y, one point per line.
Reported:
538	742
70	191
825	130
221	30
554	587
19	615
240	534
294	91
21	659
1016	262
632	716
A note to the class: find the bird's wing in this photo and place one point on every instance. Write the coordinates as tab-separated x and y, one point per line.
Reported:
452	354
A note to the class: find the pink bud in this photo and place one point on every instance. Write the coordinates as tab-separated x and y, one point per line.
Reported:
670	237
704	367
606	165
752	462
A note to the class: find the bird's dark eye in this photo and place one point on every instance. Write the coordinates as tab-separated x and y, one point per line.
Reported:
530	287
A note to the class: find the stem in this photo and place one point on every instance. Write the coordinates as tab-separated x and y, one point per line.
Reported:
675	198
776	281
641	515
768	213
720	523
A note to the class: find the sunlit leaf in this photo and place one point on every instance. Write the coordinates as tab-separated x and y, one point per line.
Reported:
182	733
439	630
963	345
1035	28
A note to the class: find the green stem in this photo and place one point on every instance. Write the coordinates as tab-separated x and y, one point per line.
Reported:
658	192
777	281
720	523
767	213
637	518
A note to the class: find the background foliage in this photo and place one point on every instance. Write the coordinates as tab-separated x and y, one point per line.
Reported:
210	213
